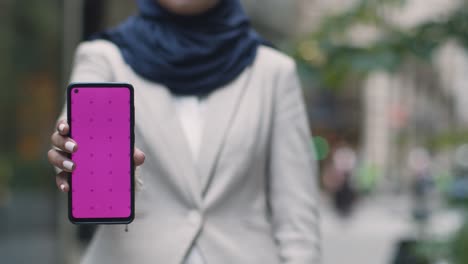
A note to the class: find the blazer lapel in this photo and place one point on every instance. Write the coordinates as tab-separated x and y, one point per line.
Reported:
178	153
220	111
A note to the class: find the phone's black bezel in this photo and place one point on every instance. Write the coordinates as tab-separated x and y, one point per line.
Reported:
126	220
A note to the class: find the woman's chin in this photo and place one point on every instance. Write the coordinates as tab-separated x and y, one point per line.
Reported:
187	7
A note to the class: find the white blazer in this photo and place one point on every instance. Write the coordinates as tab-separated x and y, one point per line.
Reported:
251	197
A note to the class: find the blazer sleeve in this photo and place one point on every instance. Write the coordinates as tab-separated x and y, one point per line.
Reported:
90	64
293	192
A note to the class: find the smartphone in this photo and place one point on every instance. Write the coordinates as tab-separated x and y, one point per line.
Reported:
101	119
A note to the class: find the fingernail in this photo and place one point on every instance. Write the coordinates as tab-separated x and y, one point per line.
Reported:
70	146
68	165
61	127
62	187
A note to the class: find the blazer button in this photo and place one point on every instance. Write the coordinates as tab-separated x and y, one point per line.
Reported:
194	217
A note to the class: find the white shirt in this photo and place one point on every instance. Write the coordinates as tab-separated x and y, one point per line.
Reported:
190	112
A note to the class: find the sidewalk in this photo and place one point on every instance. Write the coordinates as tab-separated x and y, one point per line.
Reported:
27	229
369	235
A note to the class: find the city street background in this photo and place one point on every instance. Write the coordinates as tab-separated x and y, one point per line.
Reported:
386	89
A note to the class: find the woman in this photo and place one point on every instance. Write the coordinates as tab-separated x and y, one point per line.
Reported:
229	174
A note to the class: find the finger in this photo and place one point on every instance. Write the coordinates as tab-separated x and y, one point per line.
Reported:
59	160
64	143
63	128
138	157
62	181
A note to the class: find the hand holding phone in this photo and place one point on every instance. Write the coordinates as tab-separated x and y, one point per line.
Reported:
58	155
65	145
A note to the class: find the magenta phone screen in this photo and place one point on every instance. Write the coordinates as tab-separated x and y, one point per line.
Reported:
101	119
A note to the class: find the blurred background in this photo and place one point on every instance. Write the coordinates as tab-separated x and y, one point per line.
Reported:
386	84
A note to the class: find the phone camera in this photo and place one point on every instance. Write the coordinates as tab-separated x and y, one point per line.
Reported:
76	91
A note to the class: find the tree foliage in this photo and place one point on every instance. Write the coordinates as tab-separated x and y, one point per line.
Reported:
329	56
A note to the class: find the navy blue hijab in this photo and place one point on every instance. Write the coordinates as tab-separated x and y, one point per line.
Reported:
190	55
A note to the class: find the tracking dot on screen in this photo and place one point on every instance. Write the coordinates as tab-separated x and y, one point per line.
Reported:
91	207
110	102
110	189
110	207
109	119
110	172
91	190
91	137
